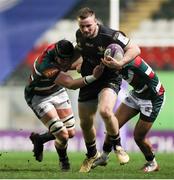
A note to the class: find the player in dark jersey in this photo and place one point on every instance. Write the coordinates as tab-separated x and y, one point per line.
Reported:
146	98
92	39
47	97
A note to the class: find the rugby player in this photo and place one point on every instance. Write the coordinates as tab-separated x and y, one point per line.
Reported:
92	39
46	96
146	99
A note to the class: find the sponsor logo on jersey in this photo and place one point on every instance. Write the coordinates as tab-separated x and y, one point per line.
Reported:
101	50
123	39
51	72
89	45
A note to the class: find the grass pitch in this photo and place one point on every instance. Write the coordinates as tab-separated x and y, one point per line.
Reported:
22	165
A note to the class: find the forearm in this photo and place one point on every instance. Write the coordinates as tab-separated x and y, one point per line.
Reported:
81	82
75	84
70	83
130	54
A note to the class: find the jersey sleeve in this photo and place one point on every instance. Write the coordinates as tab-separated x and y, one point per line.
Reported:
46	69
121	39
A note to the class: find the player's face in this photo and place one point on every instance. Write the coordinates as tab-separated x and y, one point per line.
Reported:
64	64
88	26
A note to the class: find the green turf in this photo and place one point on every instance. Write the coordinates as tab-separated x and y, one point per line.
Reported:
23	166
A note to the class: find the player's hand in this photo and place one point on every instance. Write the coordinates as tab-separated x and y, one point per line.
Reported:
98	70
112	63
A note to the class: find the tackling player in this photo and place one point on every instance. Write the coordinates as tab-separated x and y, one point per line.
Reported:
47	97
146	99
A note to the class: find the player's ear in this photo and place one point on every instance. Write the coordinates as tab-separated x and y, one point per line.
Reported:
96	21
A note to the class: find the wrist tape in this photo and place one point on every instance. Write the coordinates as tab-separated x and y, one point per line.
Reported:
89	79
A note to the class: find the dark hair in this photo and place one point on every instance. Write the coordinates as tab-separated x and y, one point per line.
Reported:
64	49
85	12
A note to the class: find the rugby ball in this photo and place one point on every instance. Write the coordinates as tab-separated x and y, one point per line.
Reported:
115	51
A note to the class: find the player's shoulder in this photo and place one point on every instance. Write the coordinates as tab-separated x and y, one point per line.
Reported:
78	33
47	53
47	68
50	47
108	32
45	64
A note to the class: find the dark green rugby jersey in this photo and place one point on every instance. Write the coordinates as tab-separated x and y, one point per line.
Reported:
142	78
44	72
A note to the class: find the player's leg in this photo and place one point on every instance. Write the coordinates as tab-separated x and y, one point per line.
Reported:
64	110
87	111
149	112
38	140
140	132
41	107
37	146
46	110
106	105
124	114
57	128
41	138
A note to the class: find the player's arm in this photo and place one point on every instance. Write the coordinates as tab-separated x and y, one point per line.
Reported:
77	59
131	51
67	81
77	65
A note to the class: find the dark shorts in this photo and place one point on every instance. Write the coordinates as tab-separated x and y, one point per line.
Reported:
91	91
157	104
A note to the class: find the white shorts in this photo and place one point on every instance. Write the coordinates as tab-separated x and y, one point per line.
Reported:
148	109
59	100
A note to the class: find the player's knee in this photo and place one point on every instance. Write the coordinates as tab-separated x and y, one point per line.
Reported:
69	122
106	113
55	126
71	133
61	142
86	125
62	137
138	139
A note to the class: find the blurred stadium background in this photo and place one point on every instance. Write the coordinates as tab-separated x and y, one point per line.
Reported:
28	26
